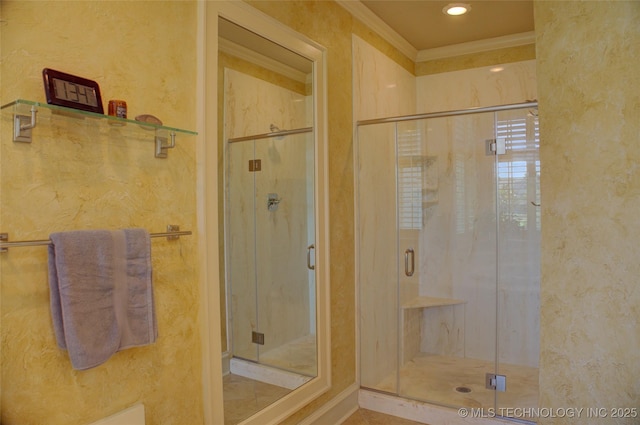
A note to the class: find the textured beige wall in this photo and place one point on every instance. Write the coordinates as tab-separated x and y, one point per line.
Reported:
589	92
365	33
588	89
78	175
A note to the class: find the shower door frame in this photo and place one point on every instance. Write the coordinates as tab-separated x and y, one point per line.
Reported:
469	111
396	120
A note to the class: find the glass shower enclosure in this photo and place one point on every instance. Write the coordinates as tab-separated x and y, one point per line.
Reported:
269	244
448	241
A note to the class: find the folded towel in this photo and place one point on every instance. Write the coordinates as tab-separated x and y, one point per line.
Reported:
101	293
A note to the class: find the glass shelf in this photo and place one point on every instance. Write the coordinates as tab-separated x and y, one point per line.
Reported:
27	114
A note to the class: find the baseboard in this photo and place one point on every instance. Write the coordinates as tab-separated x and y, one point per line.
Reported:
337	410
131	416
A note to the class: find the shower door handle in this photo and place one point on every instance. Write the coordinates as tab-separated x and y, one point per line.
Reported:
309	265
409	253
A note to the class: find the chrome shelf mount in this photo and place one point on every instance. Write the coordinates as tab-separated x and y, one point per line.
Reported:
22	125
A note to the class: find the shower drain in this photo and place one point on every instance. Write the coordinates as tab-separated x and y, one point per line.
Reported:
463	389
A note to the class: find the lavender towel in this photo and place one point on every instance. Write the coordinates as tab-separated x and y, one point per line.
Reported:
101	293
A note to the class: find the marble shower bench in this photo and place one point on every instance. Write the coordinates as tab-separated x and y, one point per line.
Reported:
432	325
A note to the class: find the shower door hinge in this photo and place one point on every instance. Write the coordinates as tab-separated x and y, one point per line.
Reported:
496	146
257	337
255	165
496	382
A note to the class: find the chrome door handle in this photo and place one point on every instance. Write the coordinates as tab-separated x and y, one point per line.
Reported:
309	265
409	253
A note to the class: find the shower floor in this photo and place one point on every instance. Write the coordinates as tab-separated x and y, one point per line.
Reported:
434	379
298	356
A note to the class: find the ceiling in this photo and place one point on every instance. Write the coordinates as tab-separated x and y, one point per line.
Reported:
424	26
418	28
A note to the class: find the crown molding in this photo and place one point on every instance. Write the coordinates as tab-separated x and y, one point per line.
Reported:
254	57
478	46
370	19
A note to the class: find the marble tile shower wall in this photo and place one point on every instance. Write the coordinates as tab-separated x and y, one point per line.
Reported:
472	263
381	87
486	86
253	104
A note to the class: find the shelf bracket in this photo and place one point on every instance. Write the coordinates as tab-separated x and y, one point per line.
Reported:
22	125
162	147
4	237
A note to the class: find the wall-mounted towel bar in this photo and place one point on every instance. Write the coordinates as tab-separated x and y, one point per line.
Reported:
173	232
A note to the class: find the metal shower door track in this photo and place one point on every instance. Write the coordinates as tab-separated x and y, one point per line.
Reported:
531	104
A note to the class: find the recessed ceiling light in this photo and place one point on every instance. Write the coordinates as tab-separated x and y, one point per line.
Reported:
456	9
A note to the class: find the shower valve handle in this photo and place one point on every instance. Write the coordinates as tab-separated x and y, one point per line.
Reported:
272	201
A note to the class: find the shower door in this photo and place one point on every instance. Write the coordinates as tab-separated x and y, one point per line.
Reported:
518	244
270	234
448	258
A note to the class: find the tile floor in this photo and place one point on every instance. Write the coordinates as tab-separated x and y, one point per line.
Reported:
243	397
368	417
